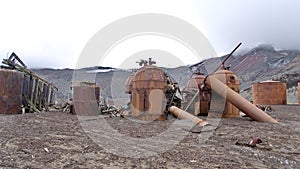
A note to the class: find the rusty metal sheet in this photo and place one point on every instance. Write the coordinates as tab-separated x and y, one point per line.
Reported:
86	93
10	91
85	108
86	100
269	93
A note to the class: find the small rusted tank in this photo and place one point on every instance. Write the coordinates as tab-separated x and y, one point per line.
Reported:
231	80
269	93
86	99
201	104
147	93
11	83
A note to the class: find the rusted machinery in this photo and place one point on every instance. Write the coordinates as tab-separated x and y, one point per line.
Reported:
10	91
21	90
197	97
234	98
153	95
150	91
231	80
269	93
85	99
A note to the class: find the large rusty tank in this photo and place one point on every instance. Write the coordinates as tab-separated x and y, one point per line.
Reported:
11	82
231	80
269	93
147	93
86	99
200	105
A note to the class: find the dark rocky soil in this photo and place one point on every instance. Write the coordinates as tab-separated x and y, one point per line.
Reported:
59	140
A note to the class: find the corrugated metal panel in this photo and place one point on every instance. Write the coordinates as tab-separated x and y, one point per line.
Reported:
10	91
269	93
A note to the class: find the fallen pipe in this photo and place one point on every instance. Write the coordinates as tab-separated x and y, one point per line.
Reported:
181	114
237	100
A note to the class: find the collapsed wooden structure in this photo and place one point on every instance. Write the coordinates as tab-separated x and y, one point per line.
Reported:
21	90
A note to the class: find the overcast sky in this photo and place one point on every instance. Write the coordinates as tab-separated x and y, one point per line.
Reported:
53	33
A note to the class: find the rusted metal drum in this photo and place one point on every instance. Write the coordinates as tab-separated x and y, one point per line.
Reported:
86	100
231	80
269	93
11	83
147	94
201	103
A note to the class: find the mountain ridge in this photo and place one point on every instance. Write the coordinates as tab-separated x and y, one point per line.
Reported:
261	63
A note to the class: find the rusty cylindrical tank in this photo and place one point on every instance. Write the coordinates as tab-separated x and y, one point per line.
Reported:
201	104
11	83
269	93
180	114
86	99
233	97
147	94
231	80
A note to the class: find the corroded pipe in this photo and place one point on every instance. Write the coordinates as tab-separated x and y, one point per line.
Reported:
181	114
237	100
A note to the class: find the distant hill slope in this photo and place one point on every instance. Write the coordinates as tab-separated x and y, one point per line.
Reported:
258	64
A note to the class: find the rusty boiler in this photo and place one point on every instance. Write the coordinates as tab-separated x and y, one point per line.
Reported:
86	99
147	97
197	101
231	80
11	82
269	93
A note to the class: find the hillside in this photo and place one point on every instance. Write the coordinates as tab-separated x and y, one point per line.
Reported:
258	64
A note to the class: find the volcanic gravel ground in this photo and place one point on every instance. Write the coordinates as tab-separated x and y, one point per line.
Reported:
59	140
